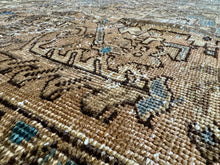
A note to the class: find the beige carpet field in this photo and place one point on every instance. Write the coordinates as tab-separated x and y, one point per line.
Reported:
109	82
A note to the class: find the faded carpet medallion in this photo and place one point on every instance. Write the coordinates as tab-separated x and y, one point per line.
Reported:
116	91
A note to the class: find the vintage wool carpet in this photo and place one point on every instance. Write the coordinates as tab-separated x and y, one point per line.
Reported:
86	90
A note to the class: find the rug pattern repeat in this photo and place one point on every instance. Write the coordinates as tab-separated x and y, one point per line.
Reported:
109	92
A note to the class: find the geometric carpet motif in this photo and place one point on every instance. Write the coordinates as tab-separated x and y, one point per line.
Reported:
112	91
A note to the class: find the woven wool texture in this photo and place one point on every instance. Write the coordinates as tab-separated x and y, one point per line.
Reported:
112	91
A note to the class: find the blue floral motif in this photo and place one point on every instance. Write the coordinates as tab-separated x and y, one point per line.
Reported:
158	100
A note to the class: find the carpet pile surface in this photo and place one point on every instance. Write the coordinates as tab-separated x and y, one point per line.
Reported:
79	89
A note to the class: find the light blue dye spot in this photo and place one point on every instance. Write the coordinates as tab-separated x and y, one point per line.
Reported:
22	131
6	12
71	18
207	137
59	163
217	31
210	53
106	50
150	104
193	16
175	101
210	23
52	152
46	158
180	99
70	162
15	138
157	88
182	53
105	21
179	36
203	22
